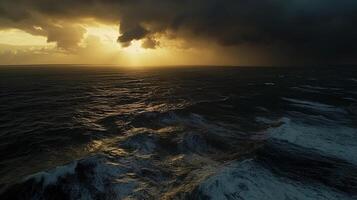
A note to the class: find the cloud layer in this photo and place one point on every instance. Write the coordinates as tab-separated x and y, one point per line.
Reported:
313	31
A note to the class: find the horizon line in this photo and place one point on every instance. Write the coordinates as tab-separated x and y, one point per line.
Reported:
183	65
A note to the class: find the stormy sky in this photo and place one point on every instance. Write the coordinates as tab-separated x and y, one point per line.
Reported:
243	32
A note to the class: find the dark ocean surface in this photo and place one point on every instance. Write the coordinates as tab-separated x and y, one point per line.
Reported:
76	132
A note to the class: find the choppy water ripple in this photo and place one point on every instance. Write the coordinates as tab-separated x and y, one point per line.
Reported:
188	133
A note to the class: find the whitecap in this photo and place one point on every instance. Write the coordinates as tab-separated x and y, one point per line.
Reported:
51	176
314	105
353	80
249	180
269	84
338	141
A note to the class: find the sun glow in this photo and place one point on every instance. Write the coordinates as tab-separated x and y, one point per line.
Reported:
108	37
98	46
102	39
107	34
133	55
135	48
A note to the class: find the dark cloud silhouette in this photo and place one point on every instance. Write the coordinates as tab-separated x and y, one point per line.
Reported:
318	30
133	33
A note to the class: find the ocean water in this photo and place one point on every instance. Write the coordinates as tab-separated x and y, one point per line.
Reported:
77	132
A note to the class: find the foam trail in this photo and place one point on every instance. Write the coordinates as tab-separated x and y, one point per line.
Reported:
248	180
313	105
338	141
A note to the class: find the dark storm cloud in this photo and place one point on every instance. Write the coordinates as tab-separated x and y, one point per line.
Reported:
135	33
318	29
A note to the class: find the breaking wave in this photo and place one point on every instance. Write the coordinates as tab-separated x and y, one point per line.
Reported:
271	135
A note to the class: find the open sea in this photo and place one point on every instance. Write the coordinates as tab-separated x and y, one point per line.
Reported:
102	133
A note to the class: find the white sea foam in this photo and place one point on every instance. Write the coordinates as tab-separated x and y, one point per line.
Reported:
350	99
269	84
99	173
51	176
338	141
248	180
319	88
313	105
353	80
